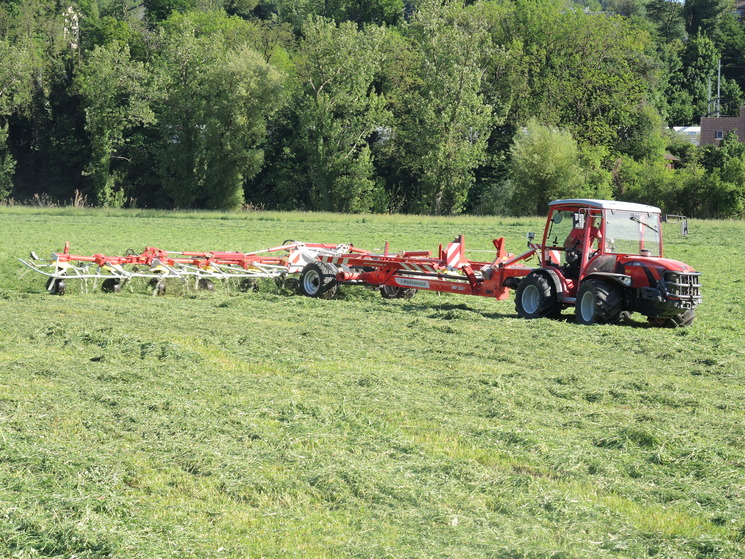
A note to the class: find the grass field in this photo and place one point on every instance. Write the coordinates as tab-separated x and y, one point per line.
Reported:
227	424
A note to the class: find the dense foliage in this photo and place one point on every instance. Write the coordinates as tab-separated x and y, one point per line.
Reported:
386	106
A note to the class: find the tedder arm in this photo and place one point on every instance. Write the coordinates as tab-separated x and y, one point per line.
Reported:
157	265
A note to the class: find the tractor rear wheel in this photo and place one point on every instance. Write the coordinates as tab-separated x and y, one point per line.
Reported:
395	292
536	298
599	302
318	279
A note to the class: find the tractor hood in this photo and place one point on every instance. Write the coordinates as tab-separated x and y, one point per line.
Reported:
660	264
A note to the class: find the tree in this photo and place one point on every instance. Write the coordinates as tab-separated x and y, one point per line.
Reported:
160	10
588	73
447	123
544	165
667	16
702	16
116	95
642	137
338	111
699	69
212	119
731	44
15	92
297	12
626	8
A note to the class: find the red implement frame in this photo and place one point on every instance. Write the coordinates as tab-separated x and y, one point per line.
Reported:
449	272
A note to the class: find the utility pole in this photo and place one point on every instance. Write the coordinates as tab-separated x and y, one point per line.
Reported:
719	79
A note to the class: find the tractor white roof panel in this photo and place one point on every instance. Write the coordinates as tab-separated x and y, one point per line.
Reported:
607	205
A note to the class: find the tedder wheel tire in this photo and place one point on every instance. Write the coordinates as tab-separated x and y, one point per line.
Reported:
396	292
536	298
111	285
318	279
158	285
248	285
56	286
681	320
599	302
206	284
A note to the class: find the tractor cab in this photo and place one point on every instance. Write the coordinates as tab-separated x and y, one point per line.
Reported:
590	236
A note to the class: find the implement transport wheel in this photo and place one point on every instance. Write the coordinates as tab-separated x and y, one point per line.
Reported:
111	285
318	279
56	286
396	292
599	302
681	320
536	298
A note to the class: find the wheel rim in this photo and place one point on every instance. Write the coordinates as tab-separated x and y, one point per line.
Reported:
587	306
391	291
531	299
311	282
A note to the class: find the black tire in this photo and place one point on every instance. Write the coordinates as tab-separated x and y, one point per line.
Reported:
682	320
111	285
206	284
158	285
248	285
536	298
56	286
318	279
396	292
599	302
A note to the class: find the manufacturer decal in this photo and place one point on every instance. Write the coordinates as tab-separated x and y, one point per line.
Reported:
408	282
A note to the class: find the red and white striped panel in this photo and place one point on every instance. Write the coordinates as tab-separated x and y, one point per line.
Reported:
454	254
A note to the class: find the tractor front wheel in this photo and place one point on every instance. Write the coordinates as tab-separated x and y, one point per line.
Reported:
318	279
681	320
536	298
599	302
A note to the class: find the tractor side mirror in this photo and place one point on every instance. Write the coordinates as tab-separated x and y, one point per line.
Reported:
683	223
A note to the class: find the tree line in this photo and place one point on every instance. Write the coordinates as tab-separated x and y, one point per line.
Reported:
418	106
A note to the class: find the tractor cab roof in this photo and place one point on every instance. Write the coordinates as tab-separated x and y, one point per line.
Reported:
612	205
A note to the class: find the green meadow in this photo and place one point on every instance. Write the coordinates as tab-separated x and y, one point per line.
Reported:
267	424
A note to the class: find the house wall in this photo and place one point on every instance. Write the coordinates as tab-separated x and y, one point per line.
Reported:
710	127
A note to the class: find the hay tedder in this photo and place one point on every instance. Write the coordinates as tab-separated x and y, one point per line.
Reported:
195	269
603	258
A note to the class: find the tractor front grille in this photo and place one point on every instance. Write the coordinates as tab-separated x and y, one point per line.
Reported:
682	288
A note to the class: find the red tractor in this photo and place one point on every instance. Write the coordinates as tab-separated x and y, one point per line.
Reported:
602	257
605	259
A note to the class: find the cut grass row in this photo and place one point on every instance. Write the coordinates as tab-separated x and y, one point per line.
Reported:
266	424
